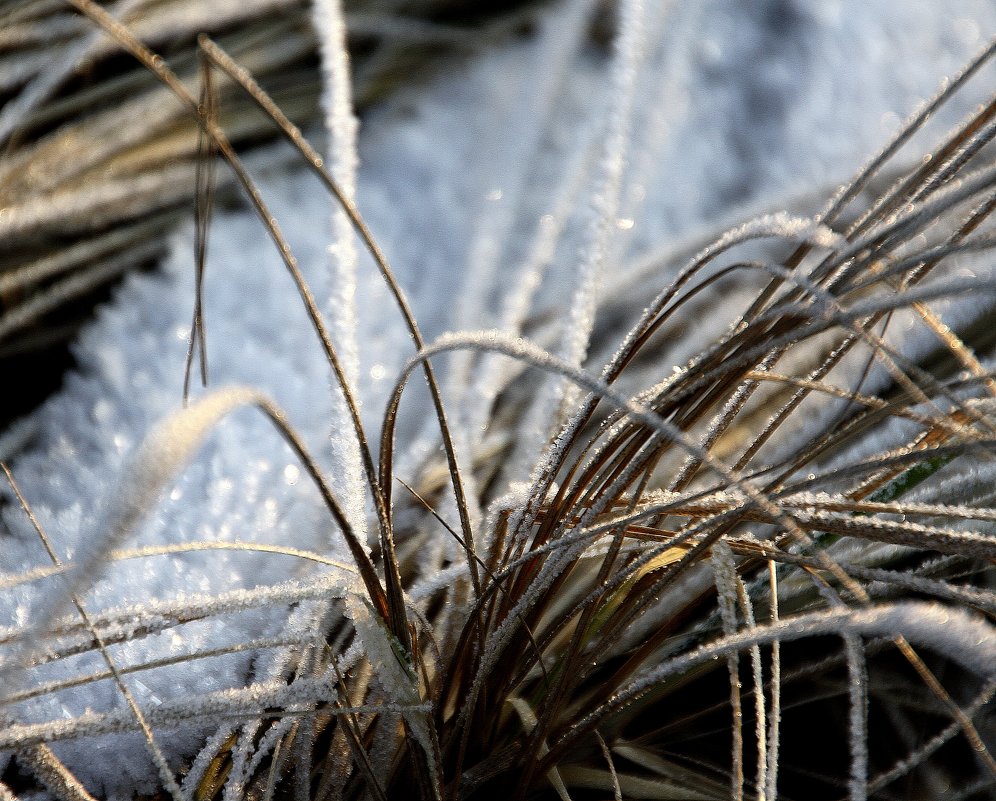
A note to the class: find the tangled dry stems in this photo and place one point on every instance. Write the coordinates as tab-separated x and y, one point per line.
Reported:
690	573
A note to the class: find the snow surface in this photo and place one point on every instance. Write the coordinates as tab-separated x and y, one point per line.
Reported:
482	187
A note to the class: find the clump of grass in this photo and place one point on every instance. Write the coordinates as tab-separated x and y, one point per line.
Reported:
688	579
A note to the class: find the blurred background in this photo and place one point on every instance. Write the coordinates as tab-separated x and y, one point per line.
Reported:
97	159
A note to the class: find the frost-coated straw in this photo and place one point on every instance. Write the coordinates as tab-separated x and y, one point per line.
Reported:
604	205
562	35
13	113
725	577
381	492
342	125
959	635
165	773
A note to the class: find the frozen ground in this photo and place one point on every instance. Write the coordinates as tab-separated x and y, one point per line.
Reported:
528	181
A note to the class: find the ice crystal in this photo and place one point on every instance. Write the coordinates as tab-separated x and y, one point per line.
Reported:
548	170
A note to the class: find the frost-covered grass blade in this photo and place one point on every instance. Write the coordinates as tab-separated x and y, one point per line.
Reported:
658	576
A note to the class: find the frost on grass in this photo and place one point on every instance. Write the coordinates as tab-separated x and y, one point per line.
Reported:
621	162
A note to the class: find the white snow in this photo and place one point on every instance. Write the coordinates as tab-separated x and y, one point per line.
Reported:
733	104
